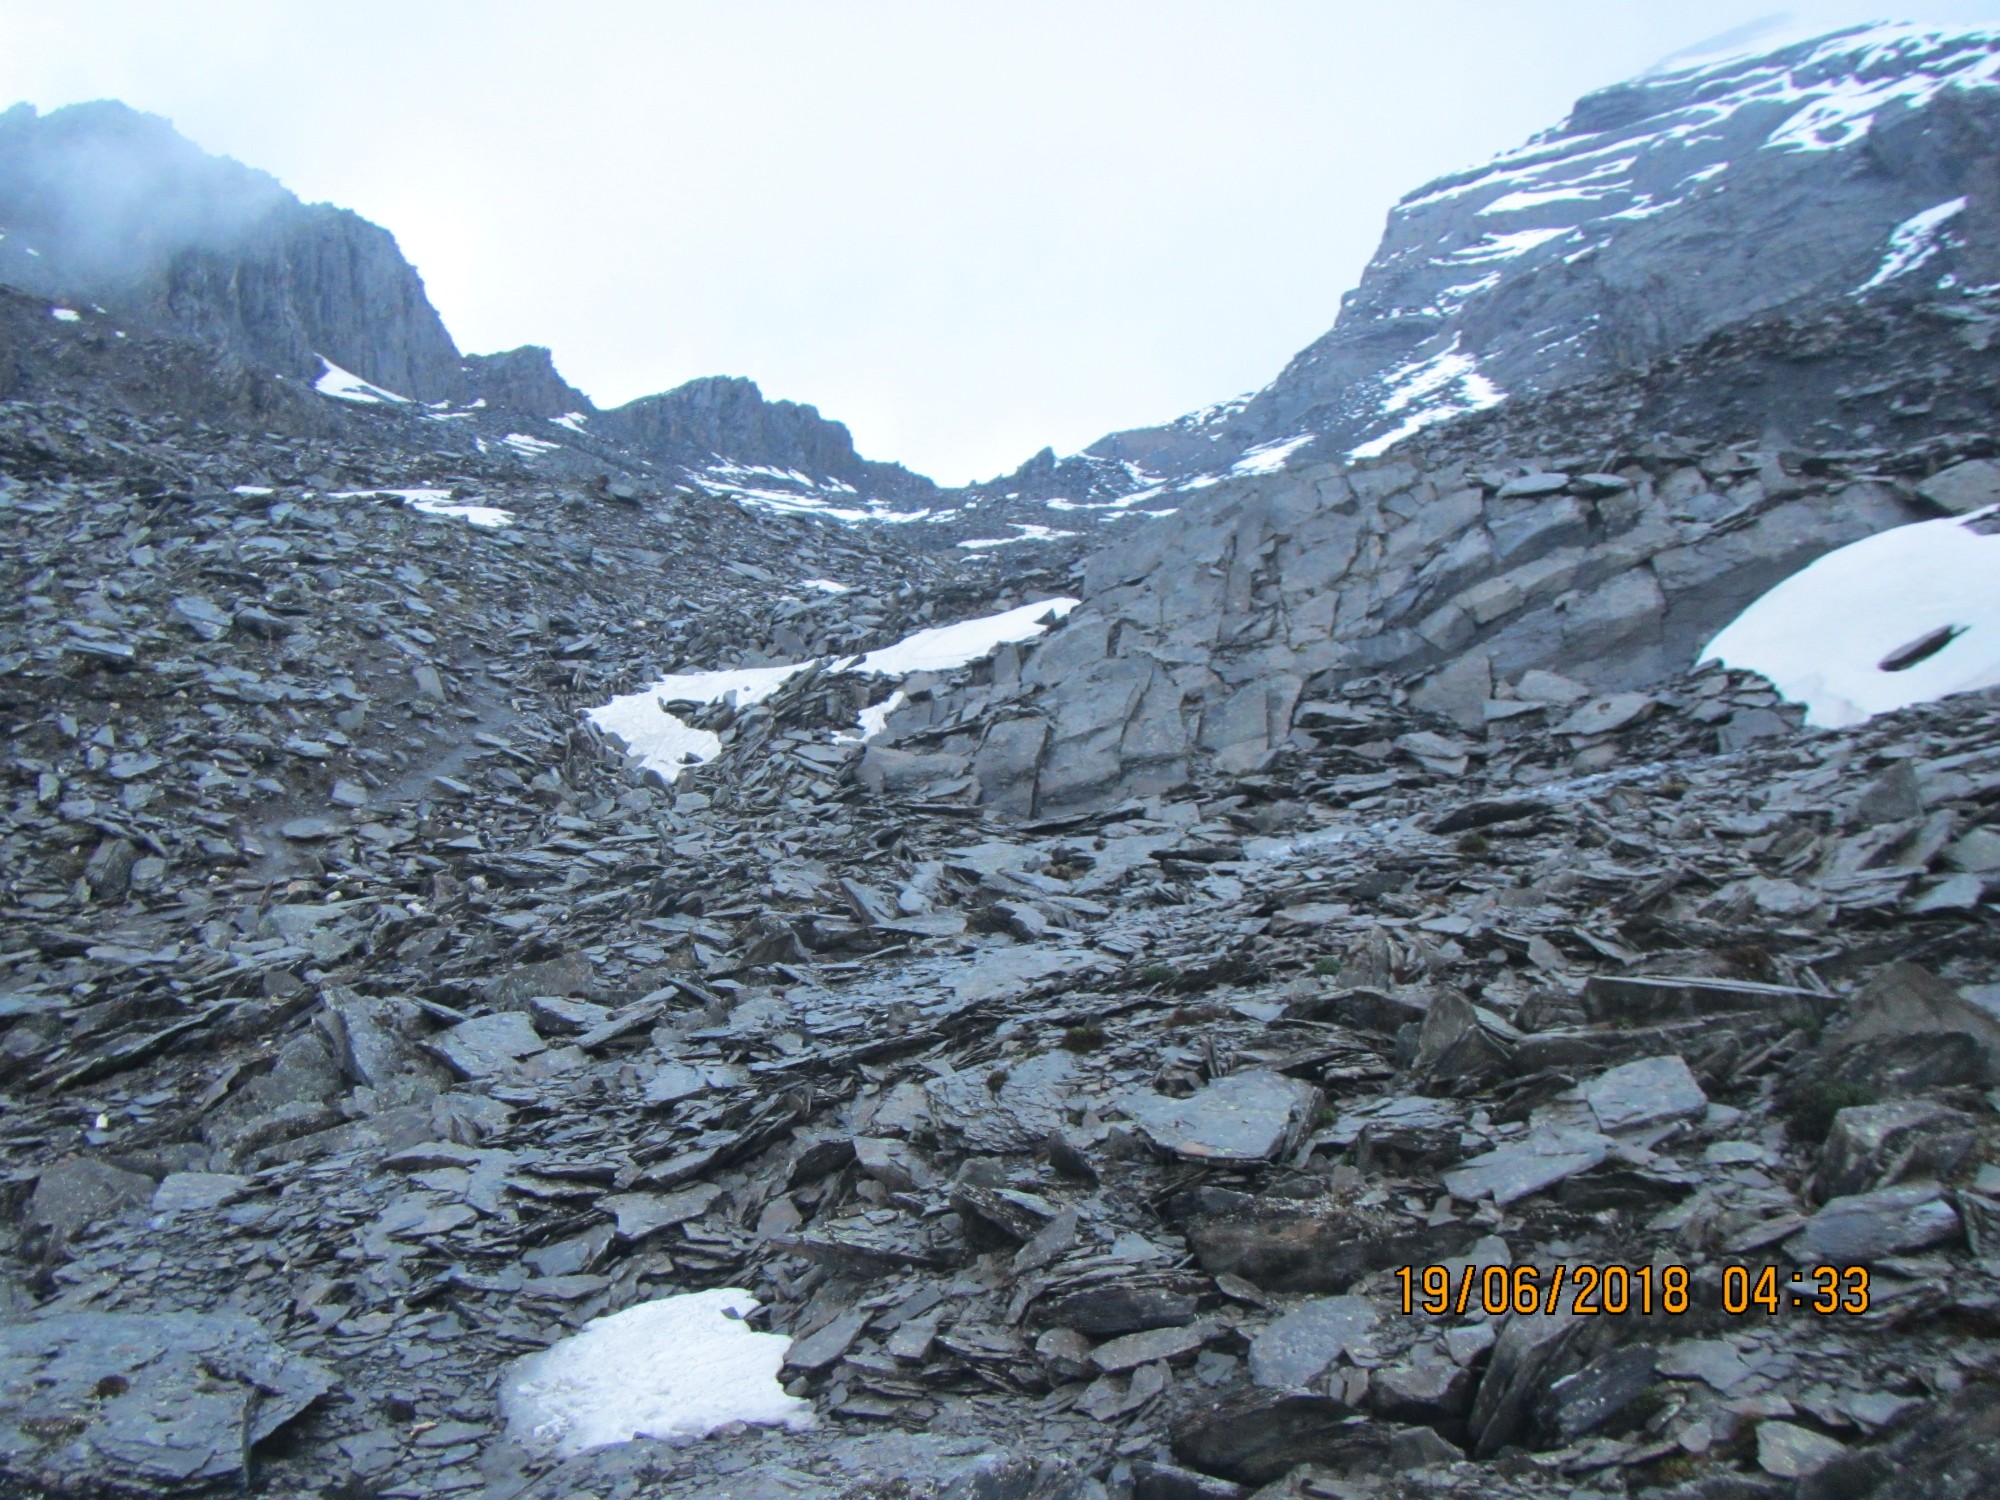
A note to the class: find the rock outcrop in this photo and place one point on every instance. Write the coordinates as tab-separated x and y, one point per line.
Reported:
523	380
1560	534
723	418
100	203
1662	210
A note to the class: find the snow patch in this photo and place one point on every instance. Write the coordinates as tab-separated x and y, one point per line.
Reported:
945	647
1527	198
678	1367
1030	532
1269	458
1503	246
1446	385
65	315
667	744
825	585
1213	415
1913	242
435	503
573	420
345	385
1824	635
529	447
873	720
789	492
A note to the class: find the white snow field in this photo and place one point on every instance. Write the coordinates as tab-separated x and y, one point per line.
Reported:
943	647
665	743
1906	616
675	1368
345	385
436	503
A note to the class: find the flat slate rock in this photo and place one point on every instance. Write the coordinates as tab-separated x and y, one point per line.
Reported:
1245	1116
642	1215
1032	1100
119	1403
1294	1350
181	1192
1522	1167
486	1045
1868	1226
1649	1091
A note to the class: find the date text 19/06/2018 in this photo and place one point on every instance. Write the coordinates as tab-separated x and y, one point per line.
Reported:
1616	1290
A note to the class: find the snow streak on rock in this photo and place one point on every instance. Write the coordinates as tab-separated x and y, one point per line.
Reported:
345	385
1913	242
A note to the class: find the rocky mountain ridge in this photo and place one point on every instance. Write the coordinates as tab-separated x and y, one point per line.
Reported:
1662	210
106	208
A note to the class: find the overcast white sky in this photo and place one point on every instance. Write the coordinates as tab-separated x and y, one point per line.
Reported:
966	228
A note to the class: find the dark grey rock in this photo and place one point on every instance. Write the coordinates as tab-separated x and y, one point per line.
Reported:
1873	1146
1249	1116
1650	1091
1591	1398
488	1045
78	1192
142	1403
1110	1310
1868	1226
1297	1347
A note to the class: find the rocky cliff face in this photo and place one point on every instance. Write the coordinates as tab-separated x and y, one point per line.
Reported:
103	205
100	203
1660	211
1559	533
523	380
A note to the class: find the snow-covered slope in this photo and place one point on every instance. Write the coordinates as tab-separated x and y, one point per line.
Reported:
1661	210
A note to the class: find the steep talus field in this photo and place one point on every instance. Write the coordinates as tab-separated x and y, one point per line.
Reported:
549	952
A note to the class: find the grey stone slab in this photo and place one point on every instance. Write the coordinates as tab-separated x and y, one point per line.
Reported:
1247	1116
1868	1226
486	1046
1030	1102
1792	1452
1648	1091
1131	1350
1716	1362
643	1215
181	1192
1516	1170
819	1349
1293	1351
132	1403
1875	1145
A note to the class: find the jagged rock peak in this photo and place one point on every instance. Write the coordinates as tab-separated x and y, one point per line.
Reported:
524	380
106	196
725	417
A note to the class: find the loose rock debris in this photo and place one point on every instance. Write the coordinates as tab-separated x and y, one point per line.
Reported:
371	1026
